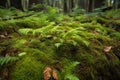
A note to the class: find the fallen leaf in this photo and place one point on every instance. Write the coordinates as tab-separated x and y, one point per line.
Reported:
5	33
47	73
107	49
55	75
3	36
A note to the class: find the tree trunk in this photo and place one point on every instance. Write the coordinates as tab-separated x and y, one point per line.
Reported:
25	4
98	3
90	5
116	2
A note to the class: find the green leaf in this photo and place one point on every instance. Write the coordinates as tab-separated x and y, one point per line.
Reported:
22	54
6	60
3	61
74	43
71	77
58	44
25	31
81	39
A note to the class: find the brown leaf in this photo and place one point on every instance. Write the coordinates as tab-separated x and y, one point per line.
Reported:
55	75
3	36
5	33
47	73
107	49
7	55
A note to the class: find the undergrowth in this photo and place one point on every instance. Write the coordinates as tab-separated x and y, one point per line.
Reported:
73	45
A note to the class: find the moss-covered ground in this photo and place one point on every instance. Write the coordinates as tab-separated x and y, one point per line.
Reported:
77	46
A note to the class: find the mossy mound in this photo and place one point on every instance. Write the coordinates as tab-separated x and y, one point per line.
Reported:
74	46
27	68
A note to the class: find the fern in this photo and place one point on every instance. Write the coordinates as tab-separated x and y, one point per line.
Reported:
71	77
116	35
68	70
71	33
81	40
45	29
74	35
6	60
25	31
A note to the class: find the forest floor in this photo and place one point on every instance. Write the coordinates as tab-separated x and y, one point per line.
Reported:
47	45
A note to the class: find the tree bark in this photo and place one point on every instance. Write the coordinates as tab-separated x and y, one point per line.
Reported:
90	5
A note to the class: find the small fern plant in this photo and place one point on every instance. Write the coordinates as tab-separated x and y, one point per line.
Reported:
75	36
6	60
42	31
68	71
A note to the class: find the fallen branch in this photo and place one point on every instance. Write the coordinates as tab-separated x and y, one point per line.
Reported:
18	17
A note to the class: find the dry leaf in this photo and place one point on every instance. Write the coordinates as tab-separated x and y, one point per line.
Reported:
3	36
7	55
50	73
5	33
47	73
107	49
55	75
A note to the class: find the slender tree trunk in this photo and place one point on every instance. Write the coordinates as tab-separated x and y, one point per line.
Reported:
25	4
90	5
8	4
116	2
65	6
99	3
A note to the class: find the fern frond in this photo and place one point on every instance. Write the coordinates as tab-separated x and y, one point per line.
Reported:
116	35
25	31
68	70
47	28
71	33
81	40
71	77
6	60
44	30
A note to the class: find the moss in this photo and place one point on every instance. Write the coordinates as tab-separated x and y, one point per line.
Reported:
64	43
32	22
27	68
112	14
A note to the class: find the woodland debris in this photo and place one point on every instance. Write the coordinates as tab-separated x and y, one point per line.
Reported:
19	17
55	75
5	37
50	73
107	49
47	73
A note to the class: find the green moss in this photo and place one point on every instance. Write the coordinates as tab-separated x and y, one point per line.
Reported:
62	42
112	14
27	68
